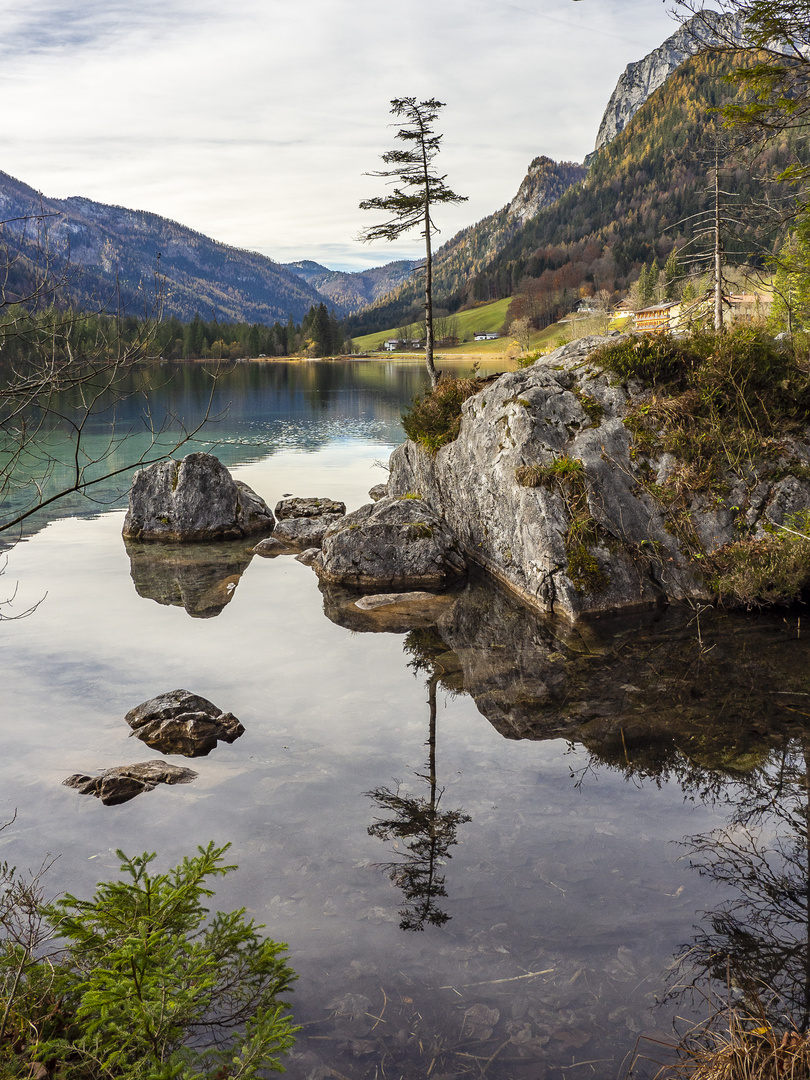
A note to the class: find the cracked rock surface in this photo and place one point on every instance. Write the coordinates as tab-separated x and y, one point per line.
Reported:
192	500
395	543
565	406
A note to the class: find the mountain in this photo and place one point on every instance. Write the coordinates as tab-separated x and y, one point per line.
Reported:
642	78
593	227
110	256
645	193
472	249
350	291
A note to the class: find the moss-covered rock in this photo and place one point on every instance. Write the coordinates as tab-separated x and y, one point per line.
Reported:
611	472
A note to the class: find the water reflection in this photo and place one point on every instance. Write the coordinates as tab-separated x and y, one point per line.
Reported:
426	831
667	693
757	942
566	890
201	578
652	693
403	612
251	410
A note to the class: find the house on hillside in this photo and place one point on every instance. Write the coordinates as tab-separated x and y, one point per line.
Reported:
587	306
486	335
748	307
659	318
675	315
392	344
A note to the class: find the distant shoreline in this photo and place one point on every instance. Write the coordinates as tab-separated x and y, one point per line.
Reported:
415	358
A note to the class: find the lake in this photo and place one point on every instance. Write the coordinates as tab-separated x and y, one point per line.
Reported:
499	846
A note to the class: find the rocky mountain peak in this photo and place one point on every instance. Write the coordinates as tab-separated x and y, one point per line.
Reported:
641	78
543	184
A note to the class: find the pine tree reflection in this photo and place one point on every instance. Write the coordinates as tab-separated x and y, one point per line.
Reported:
758	941
427	832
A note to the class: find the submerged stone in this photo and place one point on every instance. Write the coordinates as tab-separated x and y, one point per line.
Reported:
392	613
123	782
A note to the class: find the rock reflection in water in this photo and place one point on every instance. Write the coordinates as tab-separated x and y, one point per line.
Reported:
409	611
426	831
640	691
712	703
201	578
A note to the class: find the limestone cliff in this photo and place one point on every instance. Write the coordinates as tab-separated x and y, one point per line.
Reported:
545	181
641	78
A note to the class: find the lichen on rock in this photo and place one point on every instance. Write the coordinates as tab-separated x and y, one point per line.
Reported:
397	543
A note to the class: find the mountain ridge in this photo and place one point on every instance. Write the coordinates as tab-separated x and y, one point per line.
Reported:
351	290
642	77
112	255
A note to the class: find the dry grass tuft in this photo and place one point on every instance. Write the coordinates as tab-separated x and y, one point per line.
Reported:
434	419
774	569
745	1053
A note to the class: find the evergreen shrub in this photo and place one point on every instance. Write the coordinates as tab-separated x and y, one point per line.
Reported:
140	984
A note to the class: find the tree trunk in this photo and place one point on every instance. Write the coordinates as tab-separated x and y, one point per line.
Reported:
718	251
432	372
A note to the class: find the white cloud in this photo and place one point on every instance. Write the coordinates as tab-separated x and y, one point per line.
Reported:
255	124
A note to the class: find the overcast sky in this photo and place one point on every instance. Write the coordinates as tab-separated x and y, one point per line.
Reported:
253	121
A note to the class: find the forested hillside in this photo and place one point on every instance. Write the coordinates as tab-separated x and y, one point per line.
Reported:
637	203
472	249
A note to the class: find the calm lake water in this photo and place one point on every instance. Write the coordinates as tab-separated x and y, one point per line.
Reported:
496	847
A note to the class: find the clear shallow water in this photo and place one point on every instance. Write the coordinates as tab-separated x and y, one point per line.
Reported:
578	763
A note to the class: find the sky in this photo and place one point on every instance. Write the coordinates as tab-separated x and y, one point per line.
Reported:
254	121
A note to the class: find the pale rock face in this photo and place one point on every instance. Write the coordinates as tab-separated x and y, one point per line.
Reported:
520	534
397	543
191	500
641	78
544	182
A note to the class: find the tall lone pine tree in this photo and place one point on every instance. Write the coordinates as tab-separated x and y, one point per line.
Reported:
417	189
